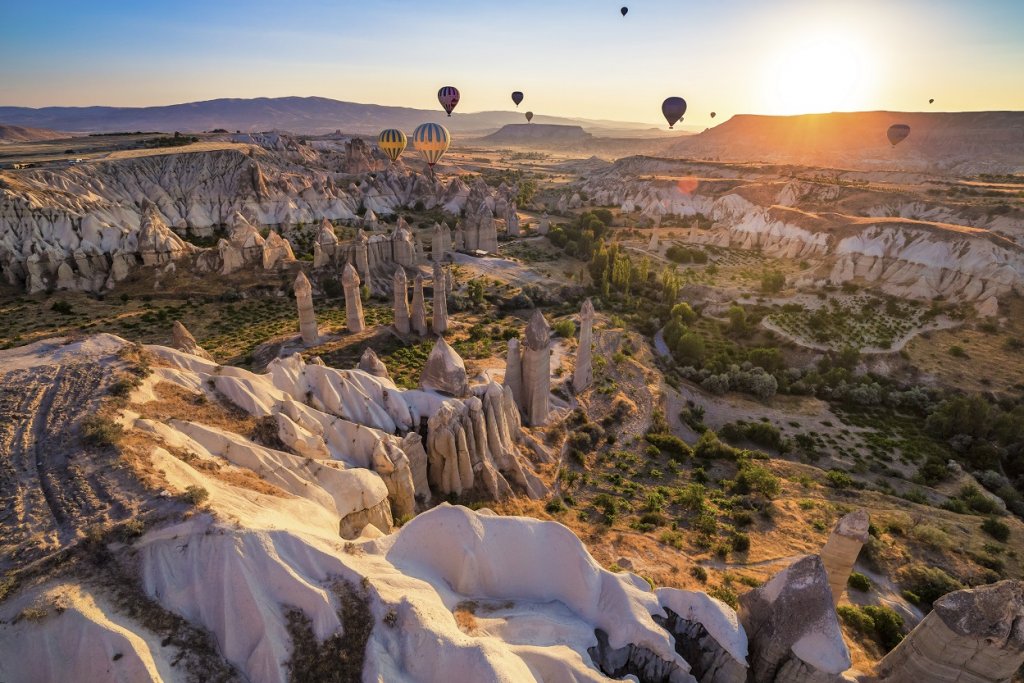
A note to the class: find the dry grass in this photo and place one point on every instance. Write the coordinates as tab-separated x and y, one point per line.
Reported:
465	616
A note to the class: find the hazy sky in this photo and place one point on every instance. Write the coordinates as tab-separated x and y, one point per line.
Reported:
571	57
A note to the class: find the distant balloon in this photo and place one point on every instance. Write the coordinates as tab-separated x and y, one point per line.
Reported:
392	142
529	116
448	96
517	97
431	140
673	109
931	100
897	133
712	114
624	10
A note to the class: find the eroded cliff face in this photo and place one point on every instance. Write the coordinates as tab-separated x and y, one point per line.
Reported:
905	246
87	226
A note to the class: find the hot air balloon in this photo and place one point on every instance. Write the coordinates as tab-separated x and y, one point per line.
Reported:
897	133
431	140
673	109
529	116
448	96
624	10
392	142
517	97
712	114
931	100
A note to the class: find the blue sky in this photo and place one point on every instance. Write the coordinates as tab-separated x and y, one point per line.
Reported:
576	58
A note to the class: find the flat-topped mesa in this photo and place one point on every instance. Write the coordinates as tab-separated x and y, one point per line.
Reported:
583	374
400	284
353	300
307	318
182	340
445	371
419	307
840	551
792	628
440	303
371	363
973	635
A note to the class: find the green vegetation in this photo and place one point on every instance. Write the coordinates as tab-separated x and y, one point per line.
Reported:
881	623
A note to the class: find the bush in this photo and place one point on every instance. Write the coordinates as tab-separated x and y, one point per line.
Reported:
928	584
754	478
839	479
101	431
740	543
196	495
62	307
859	582
709	446
565	329
670	444
888	625
699	573
996	529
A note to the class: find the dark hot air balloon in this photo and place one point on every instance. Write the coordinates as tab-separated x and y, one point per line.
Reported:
529	116
448	96
673	109
897	133
712	114
931	100
624	10
517	97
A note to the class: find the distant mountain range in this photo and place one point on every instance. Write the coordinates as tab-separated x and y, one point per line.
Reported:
963	142
296	114
24	134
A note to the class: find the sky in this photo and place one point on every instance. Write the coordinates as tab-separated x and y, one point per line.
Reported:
570	57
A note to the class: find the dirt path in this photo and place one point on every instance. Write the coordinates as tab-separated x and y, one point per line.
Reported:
52	487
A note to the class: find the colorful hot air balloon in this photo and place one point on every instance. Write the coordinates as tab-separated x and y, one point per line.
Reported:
431	140
392	142
624	10
897	133
673	109
517	97
712	114
448	96
529	116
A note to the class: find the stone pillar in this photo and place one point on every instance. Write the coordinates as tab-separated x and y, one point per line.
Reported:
583	374
307	318
653	244
362	260
544	226
440	302
513	220
460	237
419	308
841	550
437	244
401	287
353	301
970	636
514	373
537	370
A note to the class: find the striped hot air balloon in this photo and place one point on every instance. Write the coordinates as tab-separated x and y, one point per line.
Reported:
392	142
431	140
448	96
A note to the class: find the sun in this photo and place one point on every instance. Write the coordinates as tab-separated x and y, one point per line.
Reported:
819	72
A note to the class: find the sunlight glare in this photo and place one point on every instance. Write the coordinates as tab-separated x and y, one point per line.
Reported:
819	73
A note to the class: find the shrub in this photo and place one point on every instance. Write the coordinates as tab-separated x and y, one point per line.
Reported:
996	529
62	307
101	431
839	479
726	595
927	583
740	543
888	625
670	444
554	506
753	478
699	573
709	446
196	495
931	536
564	328
858	581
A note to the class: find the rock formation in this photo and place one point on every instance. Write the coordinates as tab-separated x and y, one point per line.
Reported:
276	250
512	220
460	237
369	362
445	371
532	383
707	635
353	299
307	318
362	260
401	296
653	244
583	373
182	340
792	628
973	635
544	226
404	245
325	245
441	242
419	306
840	551
440	303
